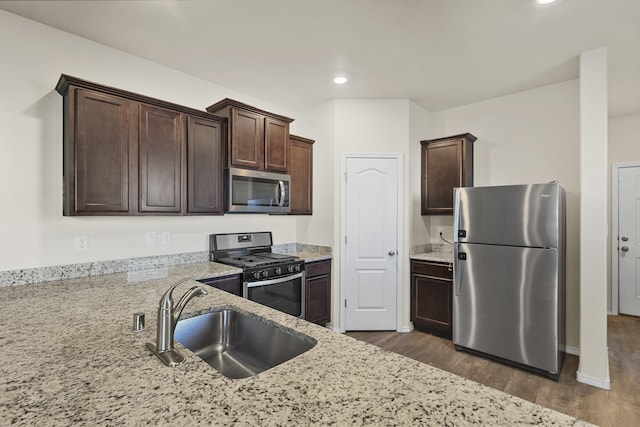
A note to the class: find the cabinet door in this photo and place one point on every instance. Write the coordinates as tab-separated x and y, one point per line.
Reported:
205	166
276	145
446	163
317	299
301	171
431	305
318	292
102	135
160	153
247	142
444	167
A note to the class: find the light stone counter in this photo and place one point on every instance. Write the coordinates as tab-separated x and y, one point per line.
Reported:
434	256
68	357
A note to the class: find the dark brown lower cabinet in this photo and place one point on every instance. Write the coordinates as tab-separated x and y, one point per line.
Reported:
432	297
231	284
318	292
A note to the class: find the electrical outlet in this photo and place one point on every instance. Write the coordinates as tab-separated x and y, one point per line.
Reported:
151	238
165	238
82	243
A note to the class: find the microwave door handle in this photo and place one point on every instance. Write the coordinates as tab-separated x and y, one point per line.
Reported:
281	200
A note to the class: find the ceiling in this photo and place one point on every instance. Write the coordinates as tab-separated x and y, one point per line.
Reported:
438	53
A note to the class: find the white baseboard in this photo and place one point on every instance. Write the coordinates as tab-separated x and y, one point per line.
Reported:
604	383
405	328
572	350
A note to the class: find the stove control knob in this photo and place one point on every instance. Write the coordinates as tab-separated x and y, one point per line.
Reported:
298	267
256	274
290	269
265	273
278	270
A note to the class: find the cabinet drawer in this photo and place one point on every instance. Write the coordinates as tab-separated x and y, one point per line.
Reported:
318	268
433	269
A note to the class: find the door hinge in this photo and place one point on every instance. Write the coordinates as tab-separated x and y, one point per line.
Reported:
345	240
345	303
345	177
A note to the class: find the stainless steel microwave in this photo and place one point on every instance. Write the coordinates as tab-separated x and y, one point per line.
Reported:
252	191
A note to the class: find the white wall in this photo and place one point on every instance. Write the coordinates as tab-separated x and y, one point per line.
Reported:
318	123
369	126
421	127
527	137
34	232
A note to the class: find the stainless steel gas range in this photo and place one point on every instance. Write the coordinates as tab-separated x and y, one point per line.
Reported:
272	279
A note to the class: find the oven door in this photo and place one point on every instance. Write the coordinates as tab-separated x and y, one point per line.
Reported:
284	293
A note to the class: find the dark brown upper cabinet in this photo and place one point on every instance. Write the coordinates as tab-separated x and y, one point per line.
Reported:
257	139
98	152
301	171
128	154
446	163
205	161
160	159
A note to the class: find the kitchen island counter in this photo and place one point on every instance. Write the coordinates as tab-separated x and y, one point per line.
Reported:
69	357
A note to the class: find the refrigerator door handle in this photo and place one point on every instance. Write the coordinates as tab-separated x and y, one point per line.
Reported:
456	269
456	213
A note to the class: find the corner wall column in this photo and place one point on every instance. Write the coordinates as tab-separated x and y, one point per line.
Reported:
594	359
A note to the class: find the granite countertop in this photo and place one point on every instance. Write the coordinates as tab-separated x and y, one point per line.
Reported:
311	256
434	256
69	357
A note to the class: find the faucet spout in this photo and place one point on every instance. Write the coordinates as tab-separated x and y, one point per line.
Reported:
168	316
195	291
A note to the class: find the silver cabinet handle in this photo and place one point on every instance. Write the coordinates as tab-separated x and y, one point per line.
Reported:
392	253
624	249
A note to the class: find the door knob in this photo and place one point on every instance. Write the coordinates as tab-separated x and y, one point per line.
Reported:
624	249
624	238
392	253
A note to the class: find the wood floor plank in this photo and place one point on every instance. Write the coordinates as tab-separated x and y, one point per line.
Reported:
619	407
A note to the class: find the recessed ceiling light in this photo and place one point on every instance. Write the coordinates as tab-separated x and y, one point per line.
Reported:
340	80
545	1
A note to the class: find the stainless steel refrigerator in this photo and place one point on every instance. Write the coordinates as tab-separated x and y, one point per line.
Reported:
509	274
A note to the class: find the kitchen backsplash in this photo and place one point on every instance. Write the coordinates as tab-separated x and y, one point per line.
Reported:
130	265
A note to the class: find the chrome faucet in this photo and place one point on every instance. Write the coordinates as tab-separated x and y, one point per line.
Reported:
168	316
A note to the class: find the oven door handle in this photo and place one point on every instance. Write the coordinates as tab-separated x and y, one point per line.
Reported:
274	281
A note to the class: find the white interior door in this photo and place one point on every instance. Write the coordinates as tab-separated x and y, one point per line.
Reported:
629	240
371	236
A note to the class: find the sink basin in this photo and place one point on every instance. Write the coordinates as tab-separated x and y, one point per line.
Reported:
239	345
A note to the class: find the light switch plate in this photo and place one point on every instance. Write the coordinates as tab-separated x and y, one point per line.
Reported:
151	238
165	238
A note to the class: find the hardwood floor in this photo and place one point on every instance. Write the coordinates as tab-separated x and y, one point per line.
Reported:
618	407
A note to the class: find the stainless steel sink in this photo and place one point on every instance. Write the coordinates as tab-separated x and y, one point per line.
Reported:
238	344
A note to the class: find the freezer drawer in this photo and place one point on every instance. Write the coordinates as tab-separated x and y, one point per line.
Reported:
506	304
